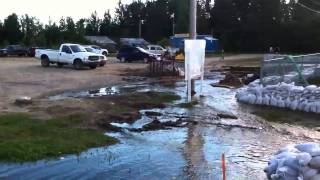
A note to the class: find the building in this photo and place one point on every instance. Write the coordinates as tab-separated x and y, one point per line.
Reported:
133	42
103	41
212	44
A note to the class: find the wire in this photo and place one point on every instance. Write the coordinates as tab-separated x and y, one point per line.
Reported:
315	2
308	8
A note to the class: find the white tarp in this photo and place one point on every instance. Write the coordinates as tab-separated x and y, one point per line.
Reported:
194	61
194	57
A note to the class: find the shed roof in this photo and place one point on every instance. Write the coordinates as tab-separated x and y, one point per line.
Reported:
100	39
133	41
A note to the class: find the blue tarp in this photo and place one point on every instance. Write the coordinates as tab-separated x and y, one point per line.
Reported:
212	44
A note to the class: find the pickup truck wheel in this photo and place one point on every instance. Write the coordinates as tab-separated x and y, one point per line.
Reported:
93	66
77	64
45	62
60	65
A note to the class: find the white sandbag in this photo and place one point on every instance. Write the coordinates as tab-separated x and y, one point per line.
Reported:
315	152
318	106
307	107
279	177
281	103
307	147
311	87
304	158
308	173
273	101
315	162
282	95
292	163
294	105
252	99
313	107
289	148
285	155
271	168
266	100
288	102
286	171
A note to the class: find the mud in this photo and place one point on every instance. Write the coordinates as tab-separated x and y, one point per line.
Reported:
236	76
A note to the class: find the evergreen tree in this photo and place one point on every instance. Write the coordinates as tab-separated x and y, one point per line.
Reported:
11	29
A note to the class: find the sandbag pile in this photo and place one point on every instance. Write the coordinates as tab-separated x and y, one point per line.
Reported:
290	77
282	95
295	162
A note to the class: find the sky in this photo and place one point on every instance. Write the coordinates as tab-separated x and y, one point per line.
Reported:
55	9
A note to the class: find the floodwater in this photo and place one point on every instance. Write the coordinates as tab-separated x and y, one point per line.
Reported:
193	152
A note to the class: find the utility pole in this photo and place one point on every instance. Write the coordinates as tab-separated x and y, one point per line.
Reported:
140	27
140	24
193	31
173	24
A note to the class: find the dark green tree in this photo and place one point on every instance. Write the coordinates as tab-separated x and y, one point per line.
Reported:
93	24
31	28
105	25
12	29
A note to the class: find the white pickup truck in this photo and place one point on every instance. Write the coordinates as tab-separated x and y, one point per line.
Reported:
73	54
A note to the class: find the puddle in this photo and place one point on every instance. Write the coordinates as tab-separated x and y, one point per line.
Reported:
147	155
178	153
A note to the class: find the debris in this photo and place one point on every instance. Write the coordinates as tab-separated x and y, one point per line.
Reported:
23	100
226	116
153	113
104	124
231	80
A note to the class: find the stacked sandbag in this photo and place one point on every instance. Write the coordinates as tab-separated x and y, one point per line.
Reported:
282	95
289	77
295	162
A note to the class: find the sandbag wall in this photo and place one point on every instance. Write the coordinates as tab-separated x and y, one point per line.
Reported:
295	162
282	95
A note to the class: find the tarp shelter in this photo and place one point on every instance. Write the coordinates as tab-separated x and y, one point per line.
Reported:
103	41
212	44
133	42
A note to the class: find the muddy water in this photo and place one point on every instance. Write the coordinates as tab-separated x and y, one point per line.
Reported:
180	153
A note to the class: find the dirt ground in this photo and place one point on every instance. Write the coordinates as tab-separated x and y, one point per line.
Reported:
25	76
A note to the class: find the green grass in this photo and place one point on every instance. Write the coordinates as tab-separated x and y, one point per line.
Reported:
188	105
287	116
314	81
23	138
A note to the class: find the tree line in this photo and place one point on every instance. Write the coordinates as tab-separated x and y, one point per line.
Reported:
240	25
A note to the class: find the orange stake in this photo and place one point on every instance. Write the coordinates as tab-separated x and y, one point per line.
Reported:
223	167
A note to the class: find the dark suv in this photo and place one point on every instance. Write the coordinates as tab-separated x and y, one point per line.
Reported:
128	54
14	50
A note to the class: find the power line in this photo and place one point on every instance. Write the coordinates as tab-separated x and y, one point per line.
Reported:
315	2
308	8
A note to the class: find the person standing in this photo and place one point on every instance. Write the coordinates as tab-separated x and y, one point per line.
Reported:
271	50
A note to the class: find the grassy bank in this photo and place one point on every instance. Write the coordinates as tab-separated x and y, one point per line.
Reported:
25	139
299	118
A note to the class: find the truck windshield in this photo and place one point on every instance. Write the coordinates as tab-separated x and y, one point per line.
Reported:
89	50
76	48
143	50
